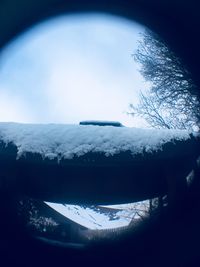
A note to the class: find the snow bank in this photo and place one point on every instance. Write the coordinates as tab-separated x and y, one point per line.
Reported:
66	141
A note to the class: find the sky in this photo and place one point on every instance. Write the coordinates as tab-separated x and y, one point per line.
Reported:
72	68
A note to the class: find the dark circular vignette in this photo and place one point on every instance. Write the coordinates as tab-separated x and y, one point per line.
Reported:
169	243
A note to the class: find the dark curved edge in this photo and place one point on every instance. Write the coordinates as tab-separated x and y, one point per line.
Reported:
172	241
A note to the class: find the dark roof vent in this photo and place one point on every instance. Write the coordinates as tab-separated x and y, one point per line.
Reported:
102	123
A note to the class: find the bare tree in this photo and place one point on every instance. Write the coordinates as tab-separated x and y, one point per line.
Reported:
170	103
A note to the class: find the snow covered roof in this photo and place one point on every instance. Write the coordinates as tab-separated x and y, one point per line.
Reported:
93	164
95	218
60	141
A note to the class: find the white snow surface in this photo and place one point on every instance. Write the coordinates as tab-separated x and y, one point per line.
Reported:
68	140
96	220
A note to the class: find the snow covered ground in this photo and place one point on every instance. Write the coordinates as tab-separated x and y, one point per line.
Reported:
66	141
96	218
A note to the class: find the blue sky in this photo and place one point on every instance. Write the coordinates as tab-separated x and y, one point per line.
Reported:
72	68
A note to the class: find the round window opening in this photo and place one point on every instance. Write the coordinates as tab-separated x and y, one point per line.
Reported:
101	111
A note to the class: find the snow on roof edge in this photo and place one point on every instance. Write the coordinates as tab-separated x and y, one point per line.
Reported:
68	140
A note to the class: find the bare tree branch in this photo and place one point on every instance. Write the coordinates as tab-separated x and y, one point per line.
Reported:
170	103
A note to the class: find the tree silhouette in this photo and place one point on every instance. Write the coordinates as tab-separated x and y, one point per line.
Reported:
170	102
